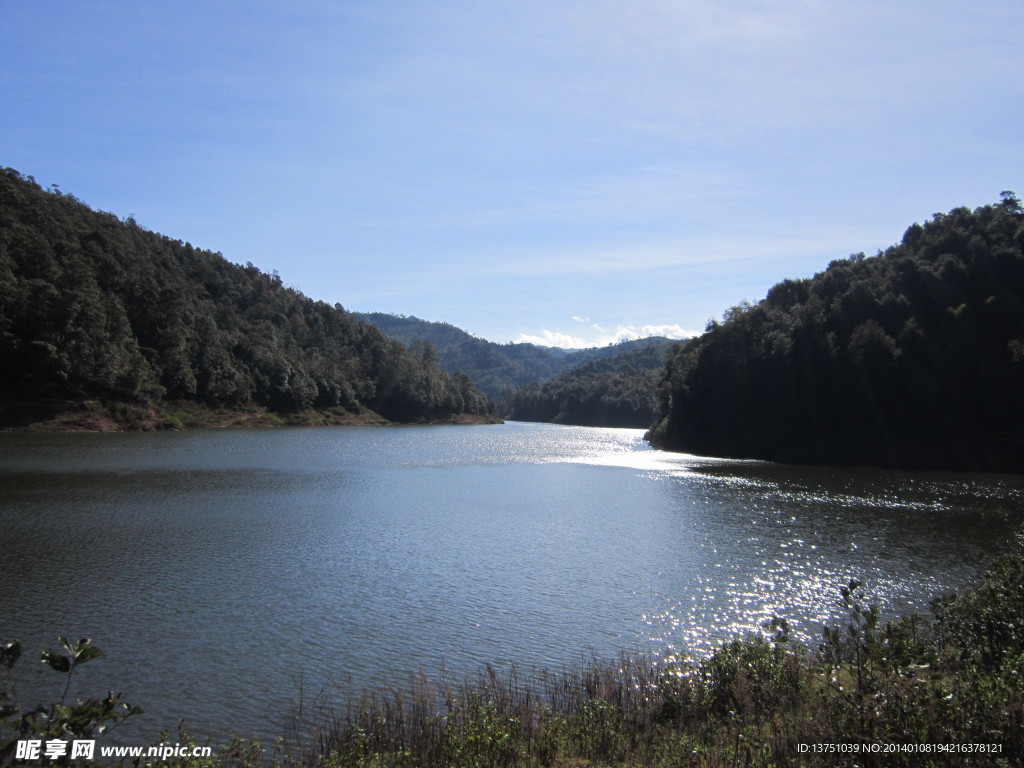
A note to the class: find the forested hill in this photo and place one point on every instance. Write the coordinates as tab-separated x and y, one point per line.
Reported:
618	391
497	369
493	367
911	358
95	308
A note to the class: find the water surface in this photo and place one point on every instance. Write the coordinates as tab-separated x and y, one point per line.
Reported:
224	570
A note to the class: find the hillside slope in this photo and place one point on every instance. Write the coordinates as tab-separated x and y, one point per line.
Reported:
494	368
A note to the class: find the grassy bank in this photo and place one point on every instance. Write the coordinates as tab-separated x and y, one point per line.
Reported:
938	691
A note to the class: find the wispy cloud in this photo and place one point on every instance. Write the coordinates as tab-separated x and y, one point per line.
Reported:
713	252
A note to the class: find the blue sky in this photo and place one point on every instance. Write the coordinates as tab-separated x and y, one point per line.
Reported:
563	172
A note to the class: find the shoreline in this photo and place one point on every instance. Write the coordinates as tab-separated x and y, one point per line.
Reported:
97	415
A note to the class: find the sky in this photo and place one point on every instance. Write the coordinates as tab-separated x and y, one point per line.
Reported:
566	172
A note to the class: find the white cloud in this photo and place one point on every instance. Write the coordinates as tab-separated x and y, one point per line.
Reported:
626	332
671	331
549	338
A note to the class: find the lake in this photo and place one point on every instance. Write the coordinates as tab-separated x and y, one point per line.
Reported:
226	573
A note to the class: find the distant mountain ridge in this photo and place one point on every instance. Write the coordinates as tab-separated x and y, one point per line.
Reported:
497	369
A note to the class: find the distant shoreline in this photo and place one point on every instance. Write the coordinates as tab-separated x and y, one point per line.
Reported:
96	415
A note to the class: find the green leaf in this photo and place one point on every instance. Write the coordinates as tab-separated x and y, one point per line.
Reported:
56	660
86	652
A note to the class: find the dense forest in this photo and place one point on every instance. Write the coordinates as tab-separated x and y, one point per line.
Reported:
910	358
93	307
618	391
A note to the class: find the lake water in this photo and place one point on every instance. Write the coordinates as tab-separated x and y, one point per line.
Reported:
223	572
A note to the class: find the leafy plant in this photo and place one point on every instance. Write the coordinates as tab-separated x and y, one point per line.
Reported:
84	719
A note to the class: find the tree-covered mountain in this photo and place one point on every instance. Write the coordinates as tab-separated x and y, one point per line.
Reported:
494	368
617	391
911	358
92	307
497	369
